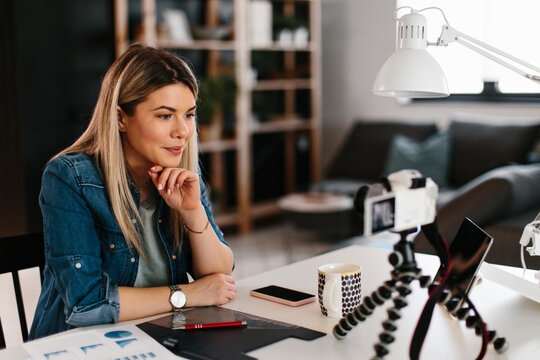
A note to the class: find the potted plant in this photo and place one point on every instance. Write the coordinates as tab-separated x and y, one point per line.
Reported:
217	98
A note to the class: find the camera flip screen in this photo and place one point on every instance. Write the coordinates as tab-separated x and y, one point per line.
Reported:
383	214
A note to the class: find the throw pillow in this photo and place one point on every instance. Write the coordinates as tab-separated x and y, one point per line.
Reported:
431	157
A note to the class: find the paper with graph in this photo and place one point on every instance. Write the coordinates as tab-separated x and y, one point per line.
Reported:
114	343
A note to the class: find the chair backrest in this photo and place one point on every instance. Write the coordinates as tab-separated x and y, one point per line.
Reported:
18	253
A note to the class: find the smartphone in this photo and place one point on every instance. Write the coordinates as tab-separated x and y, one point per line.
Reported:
467	251
283	295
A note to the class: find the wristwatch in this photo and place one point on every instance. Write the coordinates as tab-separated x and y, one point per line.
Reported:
177	299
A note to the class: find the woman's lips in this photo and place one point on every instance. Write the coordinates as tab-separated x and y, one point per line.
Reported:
176	150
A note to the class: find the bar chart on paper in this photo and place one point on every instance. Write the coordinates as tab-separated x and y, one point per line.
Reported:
126	342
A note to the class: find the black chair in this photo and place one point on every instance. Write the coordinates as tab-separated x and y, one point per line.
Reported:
18	253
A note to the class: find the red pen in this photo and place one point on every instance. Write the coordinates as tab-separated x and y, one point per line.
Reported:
211	325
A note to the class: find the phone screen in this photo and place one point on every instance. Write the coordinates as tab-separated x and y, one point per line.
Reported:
467	251
283	293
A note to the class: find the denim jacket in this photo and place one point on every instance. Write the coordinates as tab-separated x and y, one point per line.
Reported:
87	256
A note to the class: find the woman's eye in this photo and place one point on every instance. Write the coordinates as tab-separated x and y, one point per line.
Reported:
166	116
190	116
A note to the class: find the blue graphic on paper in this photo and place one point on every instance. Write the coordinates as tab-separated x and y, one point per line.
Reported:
56	354
89	348
124	343
149	355
118	334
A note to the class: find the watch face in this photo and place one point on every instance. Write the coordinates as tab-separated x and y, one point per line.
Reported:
178	299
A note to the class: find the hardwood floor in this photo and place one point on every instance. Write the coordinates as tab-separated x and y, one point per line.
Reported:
273	246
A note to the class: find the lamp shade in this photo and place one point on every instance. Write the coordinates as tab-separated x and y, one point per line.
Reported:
411	73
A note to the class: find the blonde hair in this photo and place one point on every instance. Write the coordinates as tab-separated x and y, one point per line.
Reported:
131	78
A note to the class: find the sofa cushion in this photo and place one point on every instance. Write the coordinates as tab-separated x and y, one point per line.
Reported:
431	156
478	146
498	194
364	152
492	198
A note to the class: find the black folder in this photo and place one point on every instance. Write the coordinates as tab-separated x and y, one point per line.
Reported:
229	343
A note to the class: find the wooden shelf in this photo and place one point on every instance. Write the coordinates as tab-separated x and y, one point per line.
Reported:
264	209
227	219
294	60
198	45
281	126
276	47
258	211
283	84
217	146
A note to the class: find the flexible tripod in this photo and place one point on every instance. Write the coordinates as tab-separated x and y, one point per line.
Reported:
405	271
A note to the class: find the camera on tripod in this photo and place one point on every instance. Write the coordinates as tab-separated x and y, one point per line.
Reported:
402	201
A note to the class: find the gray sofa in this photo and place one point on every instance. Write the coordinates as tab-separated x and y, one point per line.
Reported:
487	173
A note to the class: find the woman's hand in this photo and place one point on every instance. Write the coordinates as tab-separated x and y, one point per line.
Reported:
179	187
213	289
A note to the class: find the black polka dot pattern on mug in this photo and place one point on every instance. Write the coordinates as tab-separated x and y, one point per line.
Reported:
350	292
322	281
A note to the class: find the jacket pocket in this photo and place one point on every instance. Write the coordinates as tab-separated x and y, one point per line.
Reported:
117	256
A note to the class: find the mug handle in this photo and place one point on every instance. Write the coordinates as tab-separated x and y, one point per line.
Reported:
328	296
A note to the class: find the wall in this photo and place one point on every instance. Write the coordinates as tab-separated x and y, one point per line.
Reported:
358	36
58	52
12	204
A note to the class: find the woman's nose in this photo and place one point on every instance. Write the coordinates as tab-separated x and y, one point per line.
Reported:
181	129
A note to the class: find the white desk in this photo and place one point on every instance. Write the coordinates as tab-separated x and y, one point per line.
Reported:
512	315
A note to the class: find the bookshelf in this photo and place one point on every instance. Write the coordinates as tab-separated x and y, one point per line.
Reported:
290	78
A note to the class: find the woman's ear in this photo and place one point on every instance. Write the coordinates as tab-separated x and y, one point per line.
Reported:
121	119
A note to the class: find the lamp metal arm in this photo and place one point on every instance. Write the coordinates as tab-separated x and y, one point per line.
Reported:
449	35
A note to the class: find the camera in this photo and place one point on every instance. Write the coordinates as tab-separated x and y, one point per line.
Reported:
402	201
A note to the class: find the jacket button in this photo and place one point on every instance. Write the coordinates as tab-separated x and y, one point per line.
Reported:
132	259
160	221
174	257
78	265
111	246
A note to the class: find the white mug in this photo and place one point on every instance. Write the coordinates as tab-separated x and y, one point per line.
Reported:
339	288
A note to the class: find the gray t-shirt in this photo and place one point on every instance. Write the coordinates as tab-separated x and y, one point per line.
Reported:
155	270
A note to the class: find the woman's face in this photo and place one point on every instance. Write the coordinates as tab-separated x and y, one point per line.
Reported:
159	129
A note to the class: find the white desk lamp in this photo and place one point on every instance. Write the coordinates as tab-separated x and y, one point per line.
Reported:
411	72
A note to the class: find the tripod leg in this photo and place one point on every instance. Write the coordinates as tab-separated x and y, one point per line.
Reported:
394	314
499	343
361	312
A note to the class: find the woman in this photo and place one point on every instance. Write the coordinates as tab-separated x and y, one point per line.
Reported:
115	204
